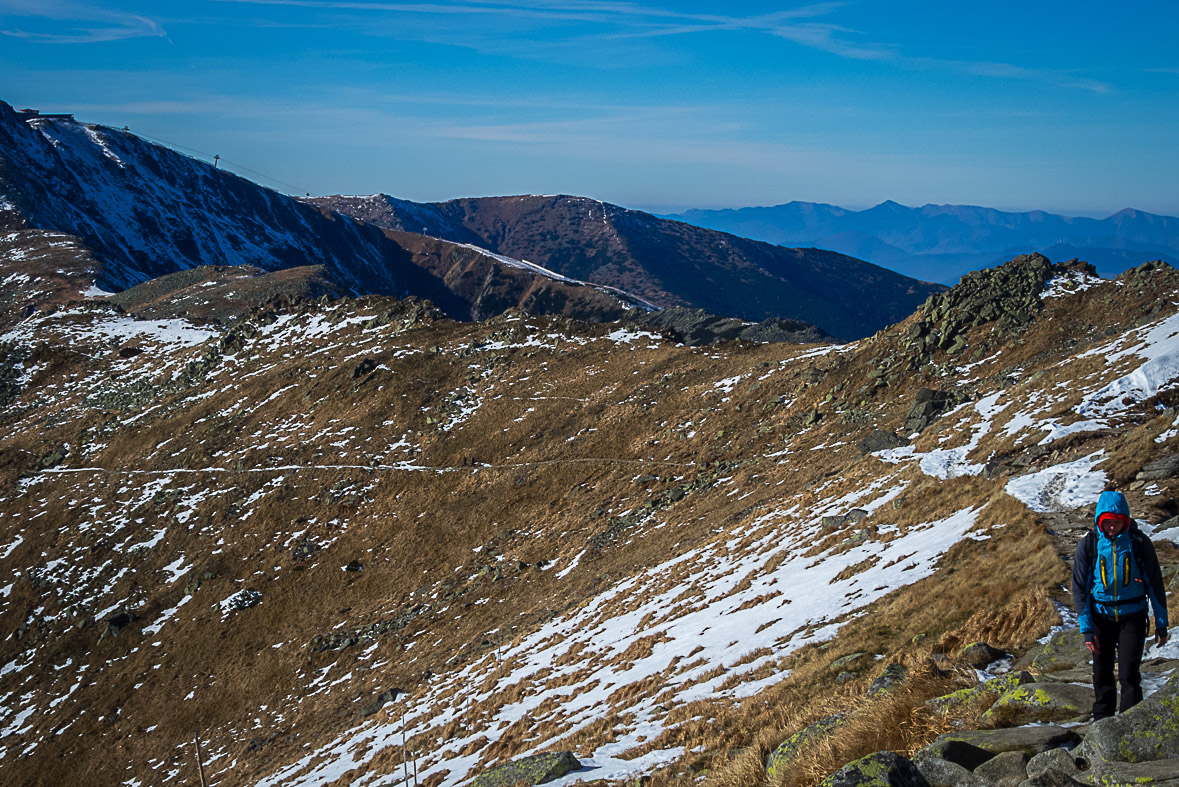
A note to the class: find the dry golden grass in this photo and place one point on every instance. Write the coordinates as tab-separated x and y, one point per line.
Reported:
553	493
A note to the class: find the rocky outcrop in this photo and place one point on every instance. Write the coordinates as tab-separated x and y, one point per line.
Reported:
697	328
928	406
1159	469
1007	297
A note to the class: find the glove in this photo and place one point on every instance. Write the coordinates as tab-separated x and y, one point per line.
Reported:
1160	636
1092	644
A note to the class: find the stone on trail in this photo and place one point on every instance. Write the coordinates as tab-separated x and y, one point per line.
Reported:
1064	650
882	769
537	769
943	773
960	753
1034	702
790	747
1156	772
1008	769
1051	778
1148	731
1029	740
1053	759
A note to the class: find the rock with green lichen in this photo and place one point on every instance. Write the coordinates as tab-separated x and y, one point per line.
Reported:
1117	774
843	663
1029	740
998	686
537	769
893	676
882	769
1148	731
790	747
1064	650
1034	702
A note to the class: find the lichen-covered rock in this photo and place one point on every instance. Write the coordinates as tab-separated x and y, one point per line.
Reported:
1034	702
1148	731
1064	650
537	769
893	676
844	662
882	769
1155	772
790	747
979	654
998	686
1008	769
943	773
1029	740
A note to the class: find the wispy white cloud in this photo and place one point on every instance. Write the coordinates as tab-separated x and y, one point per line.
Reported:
586	21
74	22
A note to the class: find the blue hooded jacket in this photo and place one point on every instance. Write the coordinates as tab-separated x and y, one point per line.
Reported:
1116	577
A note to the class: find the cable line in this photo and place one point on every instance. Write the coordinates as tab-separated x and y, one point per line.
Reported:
214	158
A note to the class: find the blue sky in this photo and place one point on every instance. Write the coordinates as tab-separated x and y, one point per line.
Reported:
1068	107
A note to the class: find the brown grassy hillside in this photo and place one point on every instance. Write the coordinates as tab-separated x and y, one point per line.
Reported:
541	534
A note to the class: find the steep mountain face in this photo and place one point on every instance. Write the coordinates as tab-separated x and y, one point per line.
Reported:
941	242
143	211
351	541
669	263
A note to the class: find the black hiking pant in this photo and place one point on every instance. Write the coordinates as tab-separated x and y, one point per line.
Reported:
1121	639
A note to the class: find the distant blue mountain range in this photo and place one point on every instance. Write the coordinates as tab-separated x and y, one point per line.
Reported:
941	242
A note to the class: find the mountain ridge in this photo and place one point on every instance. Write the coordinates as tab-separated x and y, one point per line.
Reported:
143	210
940	242
669	263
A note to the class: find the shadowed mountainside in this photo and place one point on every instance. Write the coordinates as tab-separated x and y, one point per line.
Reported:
669	263
142	211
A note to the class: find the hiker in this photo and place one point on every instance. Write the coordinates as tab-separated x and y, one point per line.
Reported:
1115	573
